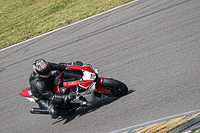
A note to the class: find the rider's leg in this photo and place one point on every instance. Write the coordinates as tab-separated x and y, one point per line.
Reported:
46	104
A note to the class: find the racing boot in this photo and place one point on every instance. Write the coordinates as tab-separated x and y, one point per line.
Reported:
54	112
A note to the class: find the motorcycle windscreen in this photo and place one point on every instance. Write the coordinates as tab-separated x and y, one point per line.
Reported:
72	74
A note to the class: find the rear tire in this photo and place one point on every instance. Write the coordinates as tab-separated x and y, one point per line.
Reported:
116	87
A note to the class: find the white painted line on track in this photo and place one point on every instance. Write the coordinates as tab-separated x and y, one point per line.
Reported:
155	121
69	25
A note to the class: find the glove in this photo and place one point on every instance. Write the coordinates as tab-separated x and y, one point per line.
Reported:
70	97
57	98
78	63
62	66
82	99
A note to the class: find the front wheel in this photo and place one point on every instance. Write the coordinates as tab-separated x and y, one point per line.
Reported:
116	87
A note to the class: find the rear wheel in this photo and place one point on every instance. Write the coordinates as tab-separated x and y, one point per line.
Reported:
116	87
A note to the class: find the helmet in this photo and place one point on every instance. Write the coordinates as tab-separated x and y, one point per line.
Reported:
42	68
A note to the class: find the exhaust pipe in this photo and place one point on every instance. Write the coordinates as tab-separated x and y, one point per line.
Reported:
39	111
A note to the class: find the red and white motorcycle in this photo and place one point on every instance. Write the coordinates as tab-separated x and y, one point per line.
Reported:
85	82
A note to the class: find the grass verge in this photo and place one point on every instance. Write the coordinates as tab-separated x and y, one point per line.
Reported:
24	19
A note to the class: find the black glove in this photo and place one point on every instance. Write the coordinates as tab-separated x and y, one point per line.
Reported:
57	98
70	97
82	99
78	63
62	66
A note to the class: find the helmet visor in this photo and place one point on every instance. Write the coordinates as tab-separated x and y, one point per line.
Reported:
44	72
46	76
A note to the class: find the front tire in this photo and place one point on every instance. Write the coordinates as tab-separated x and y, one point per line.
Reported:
116	87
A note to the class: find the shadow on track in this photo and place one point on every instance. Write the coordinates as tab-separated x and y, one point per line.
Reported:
83	111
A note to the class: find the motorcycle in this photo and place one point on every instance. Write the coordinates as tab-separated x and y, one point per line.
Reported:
86	83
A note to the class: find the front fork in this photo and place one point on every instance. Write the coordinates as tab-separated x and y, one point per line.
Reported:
99	88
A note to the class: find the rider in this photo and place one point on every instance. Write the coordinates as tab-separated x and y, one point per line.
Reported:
41	83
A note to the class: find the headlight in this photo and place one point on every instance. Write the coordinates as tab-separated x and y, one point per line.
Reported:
92	76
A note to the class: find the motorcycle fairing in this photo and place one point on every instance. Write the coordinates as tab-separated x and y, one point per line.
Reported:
27	94
88	76
89	94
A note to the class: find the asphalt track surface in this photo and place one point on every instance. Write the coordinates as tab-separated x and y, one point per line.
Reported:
151	45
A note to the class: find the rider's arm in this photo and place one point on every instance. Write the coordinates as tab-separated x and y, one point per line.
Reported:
46	92
62	66
43	90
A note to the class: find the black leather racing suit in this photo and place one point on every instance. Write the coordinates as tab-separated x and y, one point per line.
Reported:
41	89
